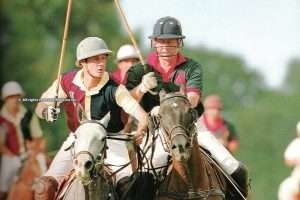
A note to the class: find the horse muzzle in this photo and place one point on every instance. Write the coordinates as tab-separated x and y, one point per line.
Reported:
181	148
84	167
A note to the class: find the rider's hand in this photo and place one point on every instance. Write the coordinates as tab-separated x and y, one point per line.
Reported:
148	82
138	136
155	111
50	113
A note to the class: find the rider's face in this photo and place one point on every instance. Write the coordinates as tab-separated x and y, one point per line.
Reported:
13	102
167	47
127	63
213	112
96	65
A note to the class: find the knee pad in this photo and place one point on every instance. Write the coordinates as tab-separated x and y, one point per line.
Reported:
45	189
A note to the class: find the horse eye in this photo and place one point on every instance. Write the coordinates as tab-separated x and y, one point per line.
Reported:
98	157
174	146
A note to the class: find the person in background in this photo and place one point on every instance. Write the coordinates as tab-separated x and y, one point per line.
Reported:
169	70
289	189
17	126
127	56
213	121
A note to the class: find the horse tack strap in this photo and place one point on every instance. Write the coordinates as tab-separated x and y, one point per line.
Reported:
193	195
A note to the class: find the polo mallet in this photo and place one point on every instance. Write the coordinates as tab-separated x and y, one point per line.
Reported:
62	51
130	33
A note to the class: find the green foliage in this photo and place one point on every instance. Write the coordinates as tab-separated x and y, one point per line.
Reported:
293	76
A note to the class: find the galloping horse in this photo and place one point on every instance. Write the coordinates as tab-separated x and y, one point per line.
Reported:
90	178
191	175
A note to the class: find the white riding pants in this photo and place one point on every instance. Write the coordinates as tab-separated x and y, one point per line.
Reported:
117	154
205	140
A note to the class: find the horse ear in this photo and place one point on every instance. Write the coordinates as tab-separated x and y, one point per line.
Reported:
162	94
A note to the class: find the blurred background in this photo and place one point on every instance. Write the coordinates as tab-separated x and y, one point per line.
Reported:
250	52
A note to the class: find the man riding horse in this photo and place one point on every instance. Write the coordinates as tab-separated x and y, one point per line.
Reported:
90	91
167	68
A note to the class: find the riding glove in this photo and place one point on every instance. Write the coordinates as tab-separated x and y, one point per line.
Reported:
148	82
50	113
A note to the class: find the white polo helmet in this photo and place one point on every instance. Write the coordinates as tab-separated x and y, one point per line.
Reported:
127	51
298	128
11	88
89	47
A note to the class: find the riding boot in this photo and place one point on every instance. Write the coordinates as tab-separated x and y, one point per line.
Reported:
139	184
45	189
240	175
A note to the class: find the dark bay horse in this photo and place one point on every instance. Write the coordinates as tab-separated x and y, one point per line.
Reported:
191	174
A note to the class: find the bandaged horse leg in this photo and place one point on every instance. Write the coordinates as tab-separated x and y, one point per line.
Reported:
117	155
228	163
45	189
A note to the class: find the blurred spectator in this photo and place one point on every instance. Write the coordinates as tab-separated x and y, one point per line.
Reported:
213	121
289	189
17	125
127	56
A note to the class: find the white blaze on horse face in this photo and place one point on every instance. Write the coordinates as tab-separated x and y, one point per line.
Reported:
174	105
90	138
181	148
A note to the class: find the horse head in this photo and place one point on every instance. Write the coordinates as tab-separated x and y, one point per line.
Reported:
177	122
89	149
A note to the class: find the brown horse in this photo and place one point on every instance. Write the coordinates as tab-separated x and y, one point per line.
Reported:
30	171
191	174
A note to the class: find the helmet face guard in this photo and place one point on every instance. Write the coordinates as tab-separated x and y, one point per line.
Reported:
167	28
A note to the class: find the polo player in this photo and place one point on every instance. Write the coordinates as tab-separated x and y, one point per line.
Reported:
168	69
90	91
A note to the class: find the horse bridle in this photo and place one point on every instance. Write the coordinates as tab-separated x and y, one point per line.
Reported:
167	135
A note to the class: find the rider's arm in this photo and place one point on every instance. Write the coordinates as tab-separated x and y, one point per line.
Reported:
194	83
233	140
35	128
47	99
132	107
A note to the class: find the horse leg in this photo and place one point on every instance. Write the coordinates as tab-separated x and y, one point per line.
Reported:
46	188
139	184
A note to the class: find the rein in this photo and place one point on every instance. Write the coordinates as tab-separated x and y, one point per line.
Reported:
190	134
